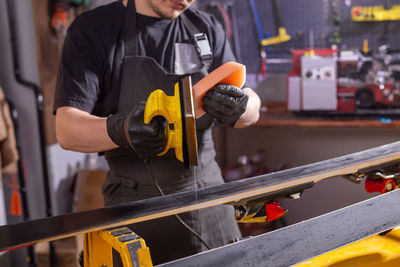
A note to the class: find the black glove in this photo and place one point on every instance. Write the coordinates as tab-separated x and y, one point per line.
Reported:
130	131
226	103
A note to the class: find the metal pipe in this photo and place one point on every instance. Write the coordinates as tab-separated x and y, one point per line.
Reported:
21	179
39	105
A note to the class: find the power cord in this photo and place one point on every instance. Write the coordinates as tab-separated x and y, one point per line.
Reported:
150	171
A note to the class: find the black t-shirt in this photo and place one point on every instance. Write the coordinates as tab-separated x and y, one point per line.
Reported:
92	58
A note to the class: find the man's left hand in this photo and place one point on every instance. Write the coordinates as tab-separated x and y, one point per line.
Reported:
226	103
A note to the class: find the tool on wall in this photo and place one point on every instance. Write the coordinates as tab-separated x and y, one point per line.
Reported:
335	20
386	12
59	13
282	35
264	38
383	14
261	37
235	31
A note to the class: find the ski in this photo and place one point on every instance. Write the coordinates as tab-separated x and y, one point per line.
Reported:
238	193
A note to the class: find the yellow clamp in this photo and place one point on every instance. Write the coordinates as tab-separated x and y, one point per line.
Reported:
160	104
365	46
375	13
310	53
99	246
280	38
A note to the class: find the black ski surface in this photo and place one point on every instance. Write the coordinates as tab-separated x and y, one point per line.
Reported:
62	226
304	240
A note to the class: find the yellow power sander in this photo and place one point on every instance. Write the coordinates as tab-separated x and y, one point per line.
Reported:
183	108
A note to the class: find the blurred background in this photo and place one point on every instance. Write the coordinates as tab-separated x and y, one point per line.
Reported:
327	73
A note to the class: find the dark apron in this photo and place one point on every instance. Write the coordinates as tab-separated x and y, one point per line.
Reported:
128	179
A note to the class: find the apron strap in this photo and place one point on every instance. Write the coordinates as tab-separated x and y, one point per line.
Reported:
200	41
188	24
130	33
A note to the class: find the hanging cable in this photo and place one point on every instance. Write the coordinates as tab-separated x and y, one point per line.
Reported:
150	172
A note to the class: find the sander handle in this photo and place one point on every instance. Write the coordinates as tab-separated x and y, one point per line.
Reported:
160	104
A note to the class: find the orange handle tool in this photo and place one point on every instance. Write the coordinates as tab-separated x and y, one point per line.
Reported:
230	73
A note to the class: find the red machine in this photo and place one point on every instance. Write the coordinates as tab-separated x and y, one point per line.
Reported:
327	80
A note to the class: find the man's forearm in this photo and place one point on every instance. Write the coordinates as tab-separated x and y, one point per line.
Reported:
79	131
252	113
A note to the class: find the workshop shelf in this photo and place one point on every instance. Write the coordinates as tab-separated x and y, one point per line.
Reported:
275	115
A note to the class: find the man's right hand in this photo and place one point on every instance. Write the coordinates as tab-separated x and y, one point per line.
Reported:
130	131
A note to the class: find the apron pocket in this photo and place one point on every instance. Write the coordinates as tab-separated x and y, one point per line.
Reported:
129	183
110	185
110	188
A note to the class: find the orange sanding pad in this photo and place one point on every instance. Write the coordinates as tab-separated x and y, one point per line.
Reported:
230	73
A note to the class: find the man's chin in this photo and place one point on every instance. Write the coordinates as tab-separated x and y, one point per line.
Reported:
173	14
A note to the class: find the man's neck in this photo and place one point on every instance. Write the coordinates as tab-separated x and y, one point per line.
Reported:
140	8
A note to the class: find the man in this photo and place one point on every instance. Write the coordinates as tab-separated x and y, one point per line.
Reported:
113	57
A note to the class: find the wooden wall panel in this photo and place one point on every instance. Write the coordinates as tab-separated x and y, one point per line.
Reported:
49	46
